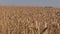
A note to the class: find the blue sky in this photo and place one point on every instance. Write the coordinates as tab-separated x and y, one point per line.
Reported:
54	3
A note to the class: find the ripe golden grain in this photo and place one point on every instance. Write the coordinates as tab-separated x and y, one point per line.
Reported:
29	20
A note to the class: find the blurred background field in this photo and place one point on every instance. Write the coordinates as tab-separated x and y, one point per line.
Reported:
29	20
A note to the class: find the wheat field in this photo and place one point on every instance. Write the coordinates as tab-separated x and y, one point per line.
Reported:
29	20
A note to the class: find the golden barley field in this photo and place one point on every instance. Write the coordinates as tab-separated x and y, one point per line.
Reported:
29	20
